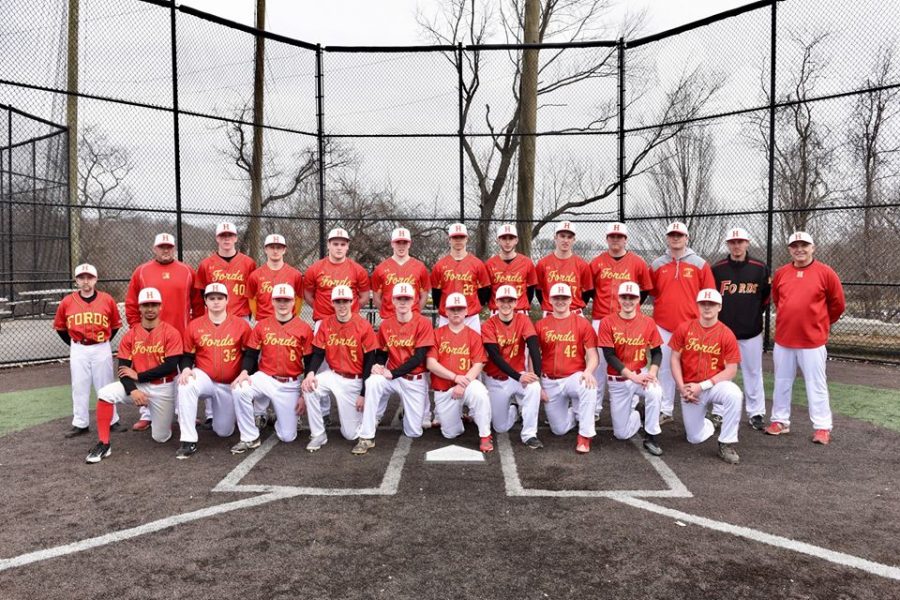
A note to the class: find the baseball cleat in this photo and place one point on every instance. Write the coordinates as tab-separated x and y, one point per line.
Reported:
117	427
486	445
776	428
583	446
651	446
261	421
76	431
716	420
326	420
98	453
315	444
821	436
205	425
534	443
362	446
186	450
142	425
756	422
665	419
243	446
728	454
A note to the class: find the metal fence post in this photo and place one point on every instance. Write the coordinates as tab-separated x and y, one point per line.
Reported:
621	125
767	342
320	136
175	131
460	132
9	195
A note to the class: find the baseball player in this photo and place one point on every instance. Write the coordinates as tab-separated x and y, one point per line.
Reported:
455	362
564	266
744	283
86	320
462	273
148	363
213	354
569	360
403	341
400	268
624	338
265	277
279	346
609	270
175	281
705	356
506	336
678	276
229	267
508	267
347	341
809	299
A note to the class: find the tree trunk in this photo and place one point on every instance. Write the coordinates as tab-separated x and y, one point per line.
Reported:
251	245
527	127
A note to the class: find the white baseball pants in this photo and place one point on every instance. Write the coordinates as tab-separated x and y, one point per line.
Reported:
561	414
345	392
504	413
626	420
413	396
751	373
217	396
812	363
161	406
664	376
600	374
448	410
283	396
699	429
89	365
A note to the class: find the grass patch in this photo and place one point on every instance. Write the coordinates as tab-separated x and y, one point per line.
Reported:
20	410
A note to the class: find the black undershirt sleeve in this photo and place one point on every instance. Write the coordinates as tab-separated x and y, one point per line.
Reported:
315	360
484	295
656	356
368	361
529	291
534	351
587	296
168	367
64	336
644	295
539	295
412	362
493	352
612	360
187	361
113	333
250	360
436	297
381	357
127	382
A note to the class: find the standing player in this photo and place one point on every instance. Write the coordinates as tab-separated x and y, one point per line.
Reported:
508	267
175	281
609	270
264	279
213	353
678	276
809	299
400	268
403	341
461	273
229	267
564	266
624	338
347	342
705	357
148	364
87	320
506	336
745	285
278	346
455	362
569	360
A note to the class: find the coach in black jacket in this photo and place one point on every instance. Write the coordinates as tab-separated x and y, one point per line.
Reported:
745	284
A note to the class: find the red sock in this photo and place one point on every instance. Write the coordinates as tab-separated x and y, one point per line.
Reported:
104	420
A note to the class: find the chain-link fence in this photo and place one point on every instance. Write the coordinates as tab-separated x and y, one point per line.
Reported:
774	116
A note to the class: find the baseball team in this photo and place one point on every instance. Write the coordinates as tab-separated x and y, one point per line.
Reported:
231	333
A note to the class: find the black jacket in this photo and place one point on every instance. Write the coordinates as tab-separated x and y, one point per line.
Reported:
745	288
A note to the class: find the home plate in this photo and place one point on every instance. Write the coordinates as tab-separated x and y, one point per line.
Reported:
454	454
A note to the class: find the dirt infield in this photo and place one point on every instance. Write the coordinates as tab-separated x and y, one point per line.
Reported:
397	526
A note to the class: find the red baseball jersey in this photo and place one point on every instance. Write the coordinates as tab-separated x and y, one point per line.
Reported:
511	340
175	282
264	279
564	343
324	275
704	350
345	343
609	273
464	276
808	301
630	339
572	271
217	348
676	284
400	340
519	273
282	346
148	349
389	273
457	352
88	321
233	274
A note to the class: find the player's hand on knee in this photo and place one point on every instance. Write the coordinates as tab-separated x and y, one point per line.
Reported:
387	374
527	377
300	409
309	384
360	403
462	381
378	370
139	398
239	380
185	377
458	392
588	379
127	372
545	398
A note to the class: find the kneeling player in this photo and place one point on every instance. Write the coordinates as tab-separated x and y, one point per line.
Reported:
705	357
506	335
624	339
213	353
148	362
455	362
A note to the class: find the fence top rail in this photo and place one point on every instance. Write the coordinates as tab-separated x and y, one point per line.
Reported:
33	117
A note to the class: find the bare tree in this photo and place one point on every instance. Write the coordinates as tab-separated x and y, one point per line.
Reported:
102	170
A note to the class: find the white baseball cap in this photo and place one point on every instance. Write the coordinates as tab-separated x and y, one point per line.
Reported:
458	230
456	300
506	230
403	290
506	291
709	295
85	269
283	290
565	226
274	238
215	288
149	296
338	233
677	227
617	229
341	292
164	239
800	236
401	234
225	227
629	288
560	289
737	233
